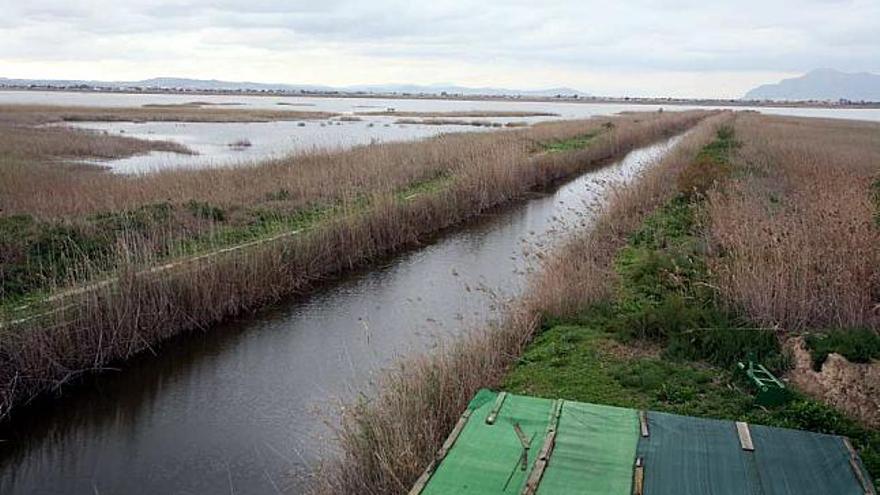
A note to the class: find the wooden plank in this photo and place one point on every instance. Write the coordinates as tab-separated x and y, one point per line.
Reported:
555	413
643	424
541	463
849	447
534	478
456	431
639	477
423	479
447	446
496	408
857	469
745	436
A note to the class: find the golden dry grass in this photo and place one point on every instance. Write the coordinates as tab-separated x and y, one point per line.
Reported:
453	114
53	192
42	114
142	307
34	147
388	439
796	243
793	238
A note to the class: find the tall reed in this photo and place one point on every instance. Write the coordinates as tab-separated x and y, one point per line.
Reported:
387	439
795	237
141	307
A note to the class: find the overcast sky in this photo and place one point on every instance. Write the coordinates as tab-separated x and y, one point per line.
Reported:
674	48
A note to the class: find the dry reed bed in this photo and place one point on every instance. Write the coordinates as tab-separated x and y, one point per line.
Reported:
474	123
34	144
796	243
388	439
44	114
140	310
53	192
470	113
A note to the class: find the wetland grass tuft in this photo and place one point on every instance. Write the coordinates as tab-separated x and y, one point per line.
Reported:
230	240
652	305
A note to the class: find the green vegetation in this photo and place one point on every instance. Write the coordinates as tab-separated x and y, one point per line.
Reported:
206	211
710	167
37	251
252	225
859	345
665	295
576	143
34	252
584	360
665	343
427	186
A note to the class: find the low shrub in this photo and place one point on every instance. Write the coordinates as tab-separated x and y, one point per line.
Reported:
859	345
665	294
205	210
711	166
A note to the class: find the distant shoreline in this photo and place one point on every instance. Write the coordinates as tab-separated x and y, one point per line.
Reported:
462	97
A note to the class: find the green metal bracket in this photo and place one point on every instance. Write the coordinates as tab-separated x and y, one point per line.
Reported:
770	390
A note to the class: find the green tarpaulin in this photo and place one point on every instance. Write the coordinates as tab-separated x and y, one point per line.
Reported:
693	456
790	462
594	451
596	447
486	456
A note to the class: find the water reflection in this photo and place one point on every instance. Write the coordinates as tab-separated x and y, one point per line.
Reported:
277	139
246	406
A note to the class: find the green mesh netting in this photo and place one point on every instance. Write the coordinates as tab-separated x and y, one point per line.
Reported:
693	456
596	447
486	456
594	452
791	462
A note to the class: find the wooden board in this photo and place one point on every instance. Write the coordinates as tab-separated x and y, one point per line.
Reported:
745	436
447	446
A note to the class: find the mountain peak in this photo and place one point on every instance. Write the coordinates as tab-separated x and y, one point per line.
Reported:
821	84
823	70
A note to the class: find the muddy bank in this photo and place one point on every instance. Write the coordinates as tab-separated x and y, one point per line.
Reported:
854	388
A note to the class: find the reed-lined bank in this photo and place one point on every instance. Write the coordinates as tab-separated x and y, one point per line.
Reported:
140	308
48	114
388	439
644	310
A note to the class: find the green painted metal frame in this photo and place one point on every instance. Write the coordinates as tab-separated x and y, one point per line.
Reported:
770	391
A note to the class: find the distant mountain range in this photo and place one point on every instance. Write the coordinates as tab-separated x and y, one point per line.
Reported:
821	84
174	83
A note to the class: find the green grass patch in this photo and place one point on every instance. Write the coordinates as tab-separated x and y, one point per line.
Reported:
665	343
36	254
572	144
139	219
585	361
859	345
711	166
262	223
665	294
206	211
427	186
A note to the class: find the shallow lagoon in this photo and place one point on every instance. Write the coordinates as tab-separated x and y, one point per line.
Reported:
282	138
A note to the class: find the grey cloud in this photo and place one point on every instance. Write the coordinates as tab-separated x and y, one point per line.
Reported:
678	35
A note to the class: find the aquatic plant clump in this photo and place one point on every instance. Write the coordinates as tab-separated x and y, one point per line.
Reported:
232	240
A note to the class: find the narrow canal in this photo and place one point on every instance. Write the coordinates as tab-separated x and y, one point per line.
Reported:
247	408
